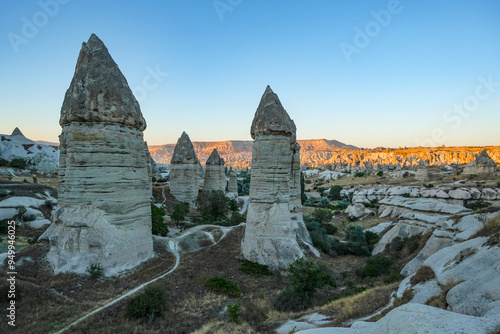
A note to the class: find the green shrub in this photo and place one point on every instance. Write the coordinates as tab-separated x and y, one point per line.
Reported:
4	226
234	312
330	228
335	192
357	235
376	266
393	276
180	212
3	162
255	269
158	226
352	218
18	163
207	218
290	300
322	215
149	303
221	285
324	202
477	204
359	174
95	270
236	219
407	195
430	185
341	205
306	277
371	238
380	173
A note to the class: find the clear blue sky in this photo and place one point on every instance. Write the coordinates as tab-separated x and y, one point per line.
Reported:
395	84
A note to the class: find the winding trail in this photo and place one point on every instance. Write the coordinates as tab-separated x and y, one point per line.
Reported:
173	248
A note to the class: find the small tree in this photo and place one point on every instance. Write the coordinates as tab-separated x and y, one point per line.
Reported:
322	215
149	303
158	226
335	192
214	203
180	212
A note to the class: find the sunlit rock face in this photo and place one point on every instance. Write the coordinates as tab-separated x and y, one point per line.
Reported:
103	213
215	175
270	237
184	171
482	164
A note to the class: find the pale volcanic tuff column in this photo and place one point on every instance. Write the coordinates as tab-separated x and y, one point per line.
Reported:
215	175
103	213
270	238
232	186
184	171
298	223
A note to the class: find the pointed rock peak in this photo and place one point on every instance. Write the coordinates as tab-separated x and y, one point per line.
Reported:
184	151
17	132
271	118
214	158
99	93
484	159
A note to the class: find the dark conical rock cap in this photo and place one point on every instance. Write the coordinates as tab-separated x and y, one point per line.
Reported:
17	132
214	158
271	118
99	92
484	159
184	151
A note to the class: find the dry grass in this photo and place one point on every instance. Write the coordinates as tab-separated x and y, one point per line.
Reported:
360	305
423	274
440	300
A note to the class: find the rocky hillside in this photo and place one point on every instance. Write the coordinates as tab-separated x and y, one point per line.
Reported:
321	152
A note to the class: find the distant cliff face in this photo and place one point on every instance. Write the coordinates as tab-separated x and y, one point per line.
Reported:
325	153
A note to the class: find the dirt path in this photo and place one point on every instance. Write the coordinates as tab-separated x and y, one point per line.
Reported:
173	248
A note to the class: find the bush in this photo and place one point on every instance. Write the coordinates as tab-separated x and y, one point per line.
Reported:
393	276
158	226
3	162
477	204
359	174
307	277
357	235
236	219
341	205
380	173
18	163
322	215
149	303
335	192
207	218
221	285
4	226
376	266
255	269
253	314
214	203
352	218
234	312
180	212
290	300
324	202
371	238
95	270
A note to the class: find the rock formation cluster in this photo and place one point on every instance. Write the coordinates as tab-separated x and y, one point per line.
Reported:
184	171
270	237
482	164
103	213
215	175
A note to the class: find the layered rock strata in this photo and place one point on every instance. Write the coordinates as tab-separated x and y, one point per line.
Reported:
103	213
184	171
270	237
215	175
